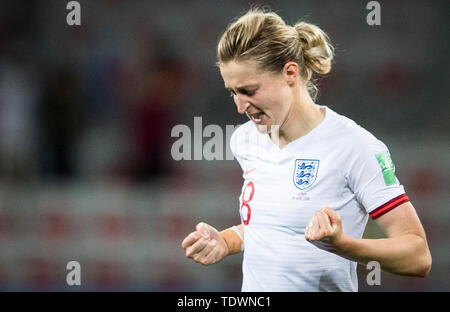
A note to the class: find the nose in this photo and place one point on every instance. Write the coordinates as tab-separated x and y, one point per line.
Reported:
242	103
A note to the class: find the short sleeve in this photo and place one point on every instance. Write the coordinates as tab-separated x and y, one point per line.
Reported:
235	143
242	143
371	176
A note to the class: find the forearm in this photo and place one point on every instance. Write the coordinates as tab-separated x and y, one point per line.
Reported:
406	254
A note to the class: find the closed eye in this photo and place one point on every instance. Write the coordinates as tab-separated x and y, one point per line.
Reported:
242	91
246	92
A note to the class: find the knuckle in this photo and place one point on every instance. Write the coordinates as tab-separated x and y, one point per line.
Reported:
201	225
189	239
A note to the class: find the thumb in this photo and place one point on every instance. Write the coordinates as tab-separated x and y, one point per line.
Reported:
334	217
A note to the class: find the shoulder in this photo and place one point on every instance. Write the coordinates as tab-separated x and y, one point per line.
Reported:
353	148
349	136
244	128
242	135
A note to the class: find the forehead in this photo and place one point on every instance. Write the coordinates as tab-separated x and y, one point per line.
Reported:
237	74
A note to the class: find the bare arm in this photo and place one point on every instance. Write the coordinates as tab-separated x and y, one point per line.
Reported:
404	252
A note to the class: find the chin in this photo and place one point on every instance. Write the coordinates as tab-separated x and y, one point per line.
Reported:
265	129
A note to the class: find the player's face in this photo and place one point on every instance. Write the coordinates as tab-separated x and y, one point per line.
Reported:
263	96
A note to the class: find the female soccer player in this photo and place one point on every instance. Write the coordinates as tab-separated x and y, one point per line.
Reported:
312	177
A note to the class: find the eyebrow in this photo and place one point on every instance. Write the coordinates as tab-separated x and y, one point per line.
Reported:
254	86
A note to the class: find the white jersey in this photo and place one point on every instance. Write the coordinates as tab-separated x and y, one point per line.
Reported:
337	164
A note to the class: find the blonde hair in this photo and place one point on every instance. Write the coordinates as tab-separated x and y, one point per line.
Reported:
262	37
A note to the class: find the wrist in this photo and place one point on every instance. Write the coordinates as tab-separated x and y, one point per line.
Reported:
343	244
233	240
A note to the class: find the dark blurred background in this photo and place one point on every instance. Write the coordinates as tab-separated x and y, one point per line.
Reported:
86	114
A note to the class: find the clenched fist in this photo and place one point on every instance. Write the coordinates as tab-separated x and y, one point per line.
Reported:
325	230
205	245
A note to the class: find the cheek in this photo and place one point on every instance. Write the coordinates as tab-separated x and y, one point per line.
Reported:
271	99
278	105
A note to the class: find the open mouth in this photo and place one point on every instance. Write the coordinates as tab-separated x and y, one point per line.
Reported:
257	117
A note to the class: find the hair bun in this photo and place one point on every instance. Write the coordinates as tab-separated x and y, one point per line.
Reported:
316	47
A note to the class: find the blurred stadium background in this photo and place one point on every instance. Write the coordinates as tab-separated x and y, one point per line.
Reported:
86	113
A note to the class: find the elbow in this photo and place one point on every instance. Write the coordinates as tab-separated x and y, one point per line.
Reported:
424	261
421	266
425	267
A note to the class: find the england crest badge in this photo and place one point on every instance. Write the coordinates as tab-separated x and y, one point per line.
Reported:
305	172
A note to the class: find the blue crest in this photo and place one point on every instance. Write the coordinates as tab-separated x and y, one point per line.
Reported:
305	172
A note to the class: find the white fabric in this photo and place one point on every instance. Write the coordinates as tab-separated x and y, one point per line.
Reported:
235	229
344	175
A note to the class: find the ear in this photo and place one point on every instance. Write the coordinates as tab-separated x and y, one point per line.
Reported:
291	72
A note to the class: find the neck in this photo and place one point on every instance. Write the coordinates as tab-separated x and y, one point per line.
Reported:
303	116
